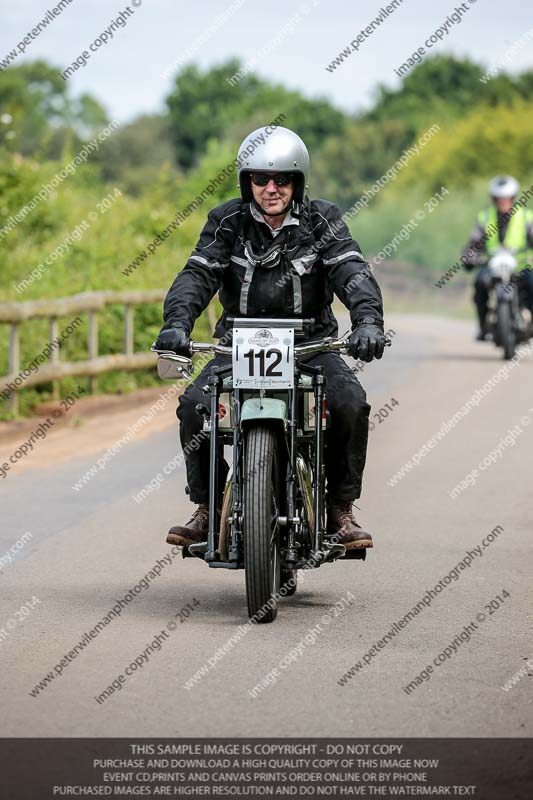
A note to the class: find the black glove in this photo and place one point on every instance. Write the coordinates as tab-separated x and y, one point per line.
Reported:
174	337
367	341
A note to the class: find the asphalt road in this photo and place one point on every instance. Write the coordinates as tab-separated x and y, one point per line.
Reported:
88	548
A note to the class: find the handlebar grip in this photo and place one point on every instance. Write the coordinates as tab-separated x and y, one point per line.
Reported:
154	349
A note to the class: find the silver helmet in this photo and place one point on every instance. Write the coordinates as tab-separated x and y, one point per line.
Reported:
273	149
504	186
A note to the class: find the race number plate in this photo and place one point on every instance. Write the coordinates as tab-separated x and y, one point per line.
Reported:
263	358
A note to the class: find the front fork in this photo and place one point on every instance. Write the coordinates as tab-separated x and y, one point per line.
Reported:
319	385
319	483
235	553
214	382
212	556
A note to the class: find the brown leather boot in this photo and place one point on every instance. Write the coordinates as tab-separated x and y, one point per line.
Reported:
345	528
194	531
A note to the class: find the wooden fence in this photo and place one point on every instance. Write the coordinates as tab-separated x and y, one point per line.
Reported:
90	303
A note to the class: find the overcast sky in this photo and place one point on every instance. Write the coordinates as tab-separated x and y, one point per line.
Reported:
127	75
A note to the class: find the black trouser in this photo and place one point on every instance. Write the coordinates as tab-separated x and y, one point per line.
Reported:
482	286
345	440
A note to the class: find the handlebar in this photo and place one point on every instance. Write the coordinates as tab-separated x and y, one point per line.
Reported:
329	344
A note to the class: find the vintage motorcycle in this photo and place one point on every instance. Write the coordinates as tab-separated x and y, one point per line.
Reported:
507	319
271	408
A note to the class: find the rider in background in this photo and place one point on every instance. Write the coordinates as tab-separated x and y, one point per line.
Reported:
502	225
273	252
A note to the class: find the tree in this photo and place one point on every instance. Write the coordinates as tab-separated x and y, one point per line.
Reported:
445	87
136	152
37	115
205	105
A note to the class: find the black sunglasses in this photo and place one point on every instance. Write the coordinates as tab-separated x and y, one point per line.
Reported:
280	178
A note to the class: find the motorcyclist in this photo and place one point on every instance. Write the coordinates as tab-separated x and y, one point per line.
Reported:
503	225
272	252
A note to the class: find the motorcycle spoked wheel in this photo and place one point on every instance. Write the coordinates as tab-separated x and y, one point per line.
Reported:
261	499
505	330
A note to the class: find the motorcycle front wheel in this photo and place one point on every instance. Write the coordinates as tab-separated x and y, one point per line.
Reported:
261	500
505	328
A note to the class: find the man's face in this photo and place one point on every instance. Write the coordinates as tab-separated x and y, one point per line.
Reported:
503	204
271	198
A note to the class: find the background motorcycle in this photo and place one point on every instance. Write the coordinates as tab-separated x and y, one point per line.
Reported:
506	317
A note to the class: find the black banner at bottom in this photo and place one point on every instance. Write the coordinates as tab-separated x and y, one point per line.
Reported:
485	769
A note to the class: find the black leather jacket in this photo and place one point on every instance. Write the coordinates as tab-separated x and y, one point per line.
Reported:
292	274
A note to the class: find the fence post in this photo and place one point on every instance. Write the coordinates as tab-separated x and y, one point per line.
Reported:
93	347
128	330
14	363
54	358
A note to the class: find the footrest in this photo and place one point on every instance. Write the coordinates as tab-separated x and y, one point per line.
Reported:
359	553
225	565
331	552
197	550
